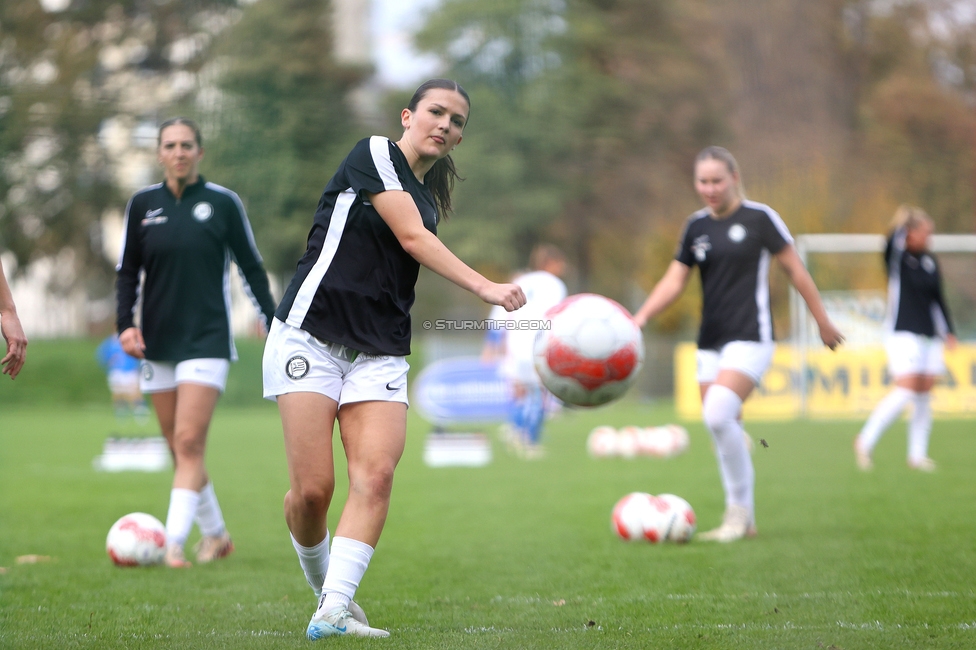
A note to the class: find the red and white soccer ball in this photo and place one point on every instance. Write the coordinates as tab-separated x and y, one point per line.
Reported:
592	351
602	442
136	539
640	516
684	524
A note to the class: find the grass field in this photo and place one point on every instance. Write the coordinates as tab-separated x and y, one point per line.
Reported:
514	555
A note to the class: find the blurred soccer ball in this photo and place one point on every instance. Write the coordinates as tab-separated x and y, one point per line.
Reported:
641	517
602	442
592	351
136	539
683	526
680	441
628	441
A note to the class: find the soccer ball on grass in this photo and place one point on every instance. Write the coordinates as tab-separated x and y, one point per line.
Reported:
640	516
136	539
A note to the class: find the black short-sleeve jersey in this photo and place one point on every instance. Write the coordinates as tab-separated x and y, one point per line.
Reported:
185	247
733	255
916	302
355	284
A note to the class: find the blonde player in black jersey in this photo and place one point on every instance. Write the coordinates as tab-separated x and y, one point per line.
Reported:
337	345
731	241
183	233
916	324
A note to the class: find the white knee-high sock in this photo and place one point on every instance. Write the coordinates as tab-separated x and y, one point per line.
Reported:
209	517
720	412
919	427
183	505
348	563
883	415
314	561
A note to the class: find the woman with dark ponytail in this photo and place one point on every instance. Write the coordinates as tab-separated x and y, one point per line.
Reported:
337	346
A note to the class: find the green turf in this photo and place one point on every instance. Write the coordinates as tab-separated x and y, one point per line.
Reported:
515	555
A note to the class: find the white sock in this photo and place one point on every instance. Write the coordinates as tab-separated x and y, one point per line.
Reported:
314	561
182	508
209	517
348	563
919	427
720	411
883	415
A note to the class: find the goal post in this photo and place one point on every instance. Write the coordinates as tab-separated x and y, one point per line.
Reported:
858	313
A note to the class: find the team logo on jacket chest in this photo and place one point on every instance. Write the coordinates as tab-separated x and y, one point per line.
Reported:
700	247
202	211
928	264
737	232
296	367
154	217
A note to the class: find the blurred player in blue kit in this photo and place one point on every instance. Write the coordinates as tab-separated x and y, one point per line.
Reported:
512	346
123	379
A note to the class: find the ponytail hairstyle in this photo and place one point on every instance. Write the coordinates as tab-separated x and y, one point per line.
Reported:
909	217
185	121
723	155
441	177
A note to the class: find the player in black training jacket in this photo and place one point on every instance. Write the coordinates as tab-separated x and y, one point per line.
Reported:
731	241
915	326
182	234
337	345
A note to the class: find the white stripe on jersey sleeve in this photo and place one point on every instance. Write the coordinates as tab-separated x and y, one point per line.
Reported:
243	213
337	224
894	280
773	216
379	147
228	309
762	298
125	222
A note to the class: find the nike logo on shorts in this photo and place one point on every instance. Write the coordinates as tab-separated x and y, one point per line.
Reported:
388	387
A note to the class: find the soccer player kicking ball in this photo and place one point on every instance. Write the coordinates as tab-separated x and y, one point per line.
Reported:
337	345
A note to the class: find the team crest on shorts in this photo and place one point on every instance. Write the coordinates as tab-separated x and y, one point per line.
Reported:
737	232
147	371
296	367
202	211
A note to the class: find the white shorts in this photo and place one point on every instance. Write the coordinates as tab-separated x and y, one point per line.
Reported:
160	376
751	358
297	362
123	381
914	354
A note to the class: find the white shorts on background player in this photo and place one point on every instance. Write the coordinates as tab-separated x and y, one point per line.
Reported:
914	354
751	358
160	376
297	362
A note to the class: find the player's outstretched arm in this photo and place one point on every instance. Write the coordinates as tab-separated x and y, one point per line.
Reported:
12	331
800	277
400	213
665	292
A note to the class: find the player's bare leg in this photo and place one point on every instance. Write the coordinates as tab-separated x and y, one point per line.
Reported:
373	436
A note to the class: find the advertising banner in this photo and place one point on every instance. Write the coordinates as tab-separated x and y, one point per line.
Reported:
847	383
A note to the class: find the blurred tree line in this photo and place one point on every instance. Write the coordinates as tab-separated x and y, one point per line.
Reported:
586	117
